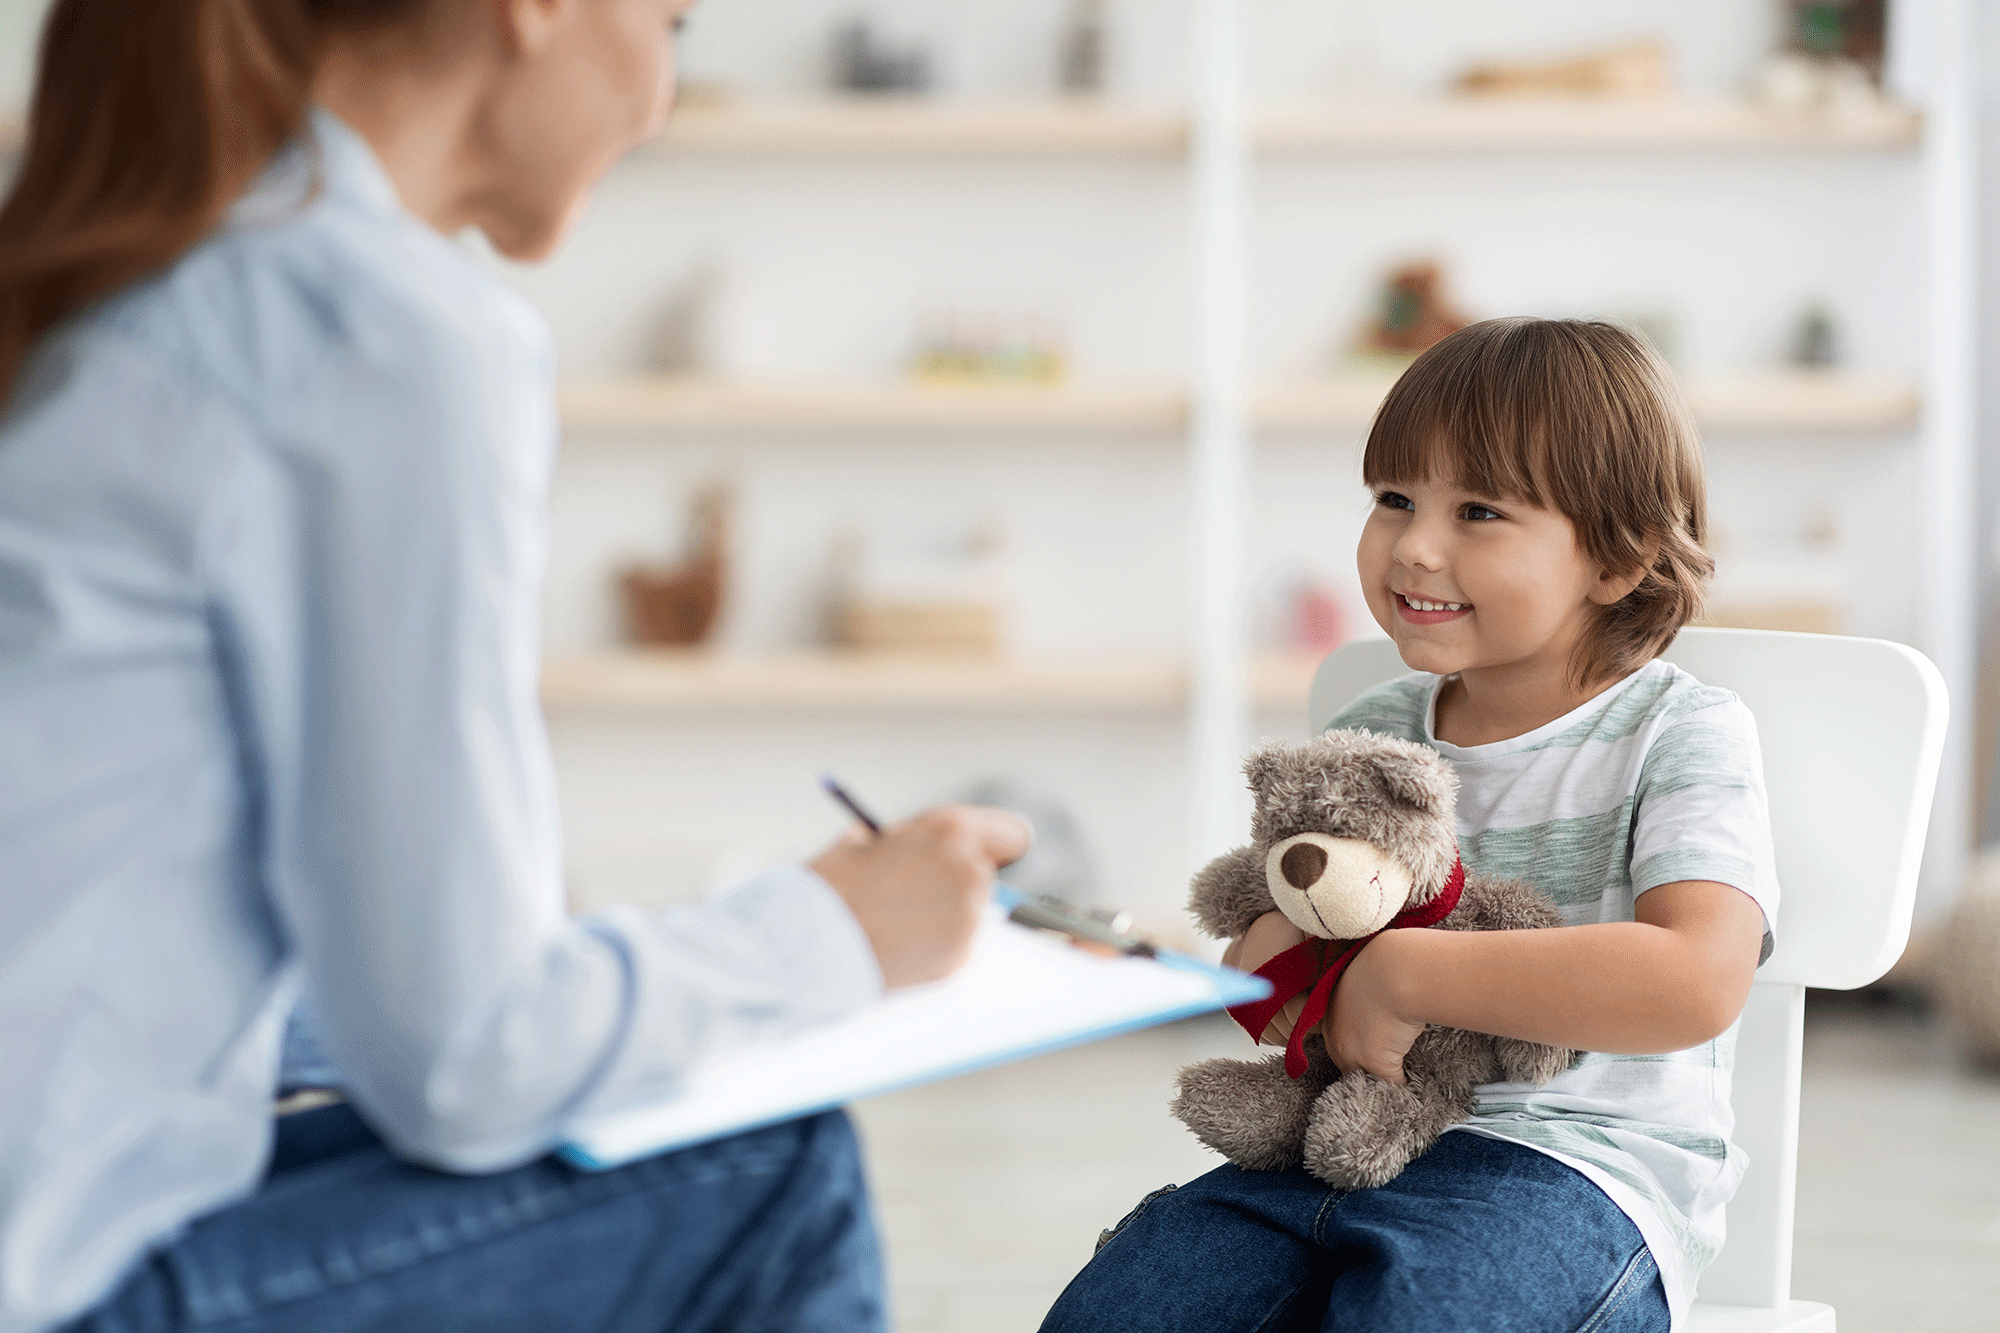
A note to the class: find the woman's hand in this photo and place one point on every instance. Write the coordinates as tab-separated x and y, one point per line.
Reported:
919	888
1269	935
1365	1028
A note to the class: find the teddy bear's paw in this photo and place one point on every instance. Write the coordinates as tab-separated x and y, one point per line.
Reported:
1247	1110
1531	1062
1362	1132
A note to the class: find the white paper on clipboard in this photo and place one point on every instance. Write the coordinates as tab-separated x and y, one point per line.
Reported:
1021	993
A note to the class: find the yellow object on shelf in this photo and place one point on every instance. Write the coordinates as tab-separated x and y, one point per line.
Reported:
872	625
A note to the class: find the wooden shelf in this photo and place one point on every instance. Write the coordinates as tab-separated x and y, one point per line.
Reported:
672	405
674	680
1501	124
1773	403
893	126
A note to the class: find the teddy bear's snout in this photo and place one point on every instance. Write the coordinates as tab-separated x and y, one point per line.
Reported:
1302	864
1336	888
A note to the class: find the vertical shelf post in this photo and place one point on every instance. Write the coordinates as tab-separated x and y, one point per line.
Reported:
1219	697
1946	491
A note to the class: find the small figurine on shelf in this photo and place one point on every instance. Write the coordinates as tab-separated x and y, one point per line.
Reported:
1816	338
994	350
680	341
864	63
1413	313
931	598
1319	620
1830	60
1639	69
677	606
1081	59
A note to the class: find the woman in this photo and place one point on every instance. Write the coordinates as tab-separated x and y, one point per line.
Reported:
272	471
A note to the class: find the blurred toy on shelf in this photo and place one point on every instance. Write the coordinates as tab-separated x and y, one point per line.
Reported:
1829	61
1639	69
681	343
993	349
677	605
698	94
1411	314
1059	864
1081	54
921	597
1815	338
864	62
1318	617
1797	615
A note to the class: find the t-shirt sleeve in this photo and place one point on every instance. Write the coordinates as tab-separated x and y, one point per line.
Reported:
1393	708
1702	811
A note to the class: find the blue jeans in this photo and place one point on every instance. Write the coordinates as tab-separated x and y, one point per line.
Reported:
770	1230
1476	1236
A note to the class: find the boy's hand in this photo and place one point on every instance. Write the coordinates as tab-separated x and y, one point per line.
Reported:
918	889
1269	935
1365	1028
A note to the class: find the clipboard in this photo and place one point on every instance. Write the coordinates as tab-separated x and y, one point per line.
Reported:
1021	993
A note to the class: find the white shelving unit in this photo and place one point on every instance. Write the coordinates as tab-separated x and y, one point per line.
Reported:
1222	145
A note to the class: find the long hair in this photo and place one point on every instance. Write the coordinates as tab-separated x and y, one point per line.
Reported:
1582	417
149	118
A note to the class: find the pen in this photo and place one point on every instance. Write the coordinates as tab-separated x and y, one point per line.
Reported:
839	793
1110	930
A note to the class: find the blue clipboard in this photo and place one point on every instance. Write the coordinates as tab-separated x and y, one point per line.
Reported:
1022	993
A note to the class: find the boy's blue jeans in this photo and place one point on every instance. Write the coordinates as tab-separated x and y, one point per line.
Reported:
1476	1236
770	1230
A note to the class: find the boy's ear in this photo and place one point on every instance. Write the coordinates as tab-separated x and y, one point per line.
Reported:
1611	589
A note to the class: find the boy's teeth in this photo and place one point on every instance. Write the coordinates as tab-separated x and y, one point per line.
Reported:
1434	606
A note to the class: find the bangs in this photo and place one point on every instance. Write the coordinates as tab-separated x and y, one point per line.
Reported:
1505	408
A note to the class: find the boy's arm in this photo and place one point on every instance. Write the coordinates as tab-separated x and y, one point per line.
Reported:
1674	978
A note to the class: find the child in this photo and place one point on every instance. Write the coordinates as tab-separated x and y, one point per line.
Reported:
1535	542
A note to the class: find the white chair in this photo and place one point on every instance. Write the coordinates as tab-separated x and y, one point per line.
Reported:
1852	730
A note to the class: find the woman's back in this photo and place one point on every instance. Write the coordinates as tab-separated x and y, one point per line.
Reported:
183	676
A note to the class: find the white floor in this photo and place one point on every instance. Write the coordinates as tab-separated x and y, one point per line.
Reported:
993	1188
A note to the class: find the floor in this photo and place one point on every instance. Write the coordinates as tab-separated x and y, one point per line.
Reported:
1899	1173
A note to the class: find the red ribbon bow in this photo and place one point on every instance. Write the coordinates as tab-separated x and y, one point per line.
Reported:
1296	971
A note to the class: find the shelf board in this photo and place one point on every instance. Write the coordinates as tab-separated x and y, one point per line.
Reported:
899	126
1772	403
618	406
670	680
1503	124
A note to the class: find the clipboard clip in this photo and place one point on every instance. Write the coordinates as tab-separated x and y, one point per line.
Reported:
1105	927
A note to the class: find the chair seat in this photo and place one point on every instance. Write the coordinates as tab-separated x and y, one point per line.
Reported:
1791	1317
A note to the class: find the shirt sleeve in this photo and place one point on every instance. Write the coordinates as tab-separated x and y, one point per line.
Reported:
377	562
1702	812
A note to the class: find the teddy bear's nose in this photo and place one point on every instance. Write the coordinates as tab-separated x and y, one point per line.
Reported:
1303	864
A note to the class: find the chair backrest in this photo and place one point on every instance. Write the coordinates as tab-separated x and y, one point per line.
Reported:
1851	731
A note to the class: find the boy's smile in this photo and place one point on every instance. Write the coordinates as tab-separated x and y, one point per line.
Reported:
1429	611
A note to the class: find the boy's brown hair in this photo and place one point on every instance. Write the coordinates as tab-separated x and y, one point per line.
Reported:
1576	416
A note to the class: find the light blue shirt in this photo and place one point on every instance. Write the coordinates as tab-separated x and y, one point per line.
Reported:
271	544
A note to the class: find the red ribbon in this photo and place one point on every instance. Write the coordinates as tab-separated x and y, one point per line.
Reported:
1296	971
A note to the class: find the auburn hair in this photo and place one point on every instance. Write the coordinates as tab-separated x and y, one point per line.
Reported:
1577	416
149	118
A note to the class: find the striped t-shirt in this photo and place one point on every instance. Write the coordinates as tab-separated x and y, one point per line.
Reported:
1658	779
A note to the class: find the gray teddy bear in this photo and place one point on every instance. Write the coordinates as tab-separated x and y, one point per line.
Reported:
1353	832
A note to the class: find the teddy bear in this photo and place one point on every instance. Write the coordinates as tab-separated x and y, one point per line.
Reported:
1352	834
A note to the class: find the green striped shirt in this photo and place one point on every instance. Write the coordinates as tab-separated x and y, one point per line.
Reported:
1656	780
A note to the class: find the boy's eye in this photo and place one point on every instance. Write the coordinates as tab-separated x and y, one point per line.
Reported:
1478	513
1393	500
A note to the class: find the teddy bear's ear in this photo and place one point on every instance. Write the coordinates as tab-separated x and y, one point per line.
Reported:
1262	765
1415	778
